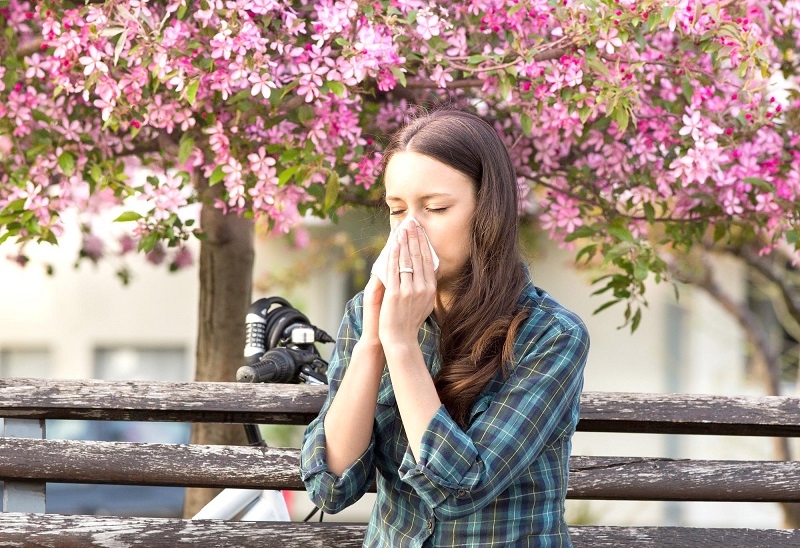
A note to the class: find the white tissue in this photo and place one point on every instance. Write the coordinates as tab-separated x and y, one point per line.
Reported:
381	265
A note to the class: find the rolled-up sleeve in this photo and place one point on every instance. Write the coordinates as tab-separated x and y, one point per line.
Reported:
461	471
328	491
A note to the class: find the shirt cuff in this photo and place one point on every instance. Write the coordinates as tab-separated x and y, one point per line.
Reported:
449	463
330	492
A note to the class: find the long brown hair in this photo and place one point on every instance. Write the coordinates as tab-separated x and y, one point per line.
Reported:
478	330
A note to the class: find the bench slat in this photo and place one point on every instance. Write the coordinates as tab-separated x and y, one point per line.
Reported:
50	530
623	478
160	401
299	404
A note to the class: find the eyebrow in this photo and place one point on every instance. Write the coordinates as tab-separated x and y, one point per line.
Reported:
423	197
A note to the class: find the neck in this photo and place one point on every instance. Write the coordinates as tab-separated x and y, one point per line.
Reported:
442	304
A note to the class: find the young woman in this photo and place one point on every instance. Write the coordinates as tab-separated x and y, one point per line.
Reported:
457	390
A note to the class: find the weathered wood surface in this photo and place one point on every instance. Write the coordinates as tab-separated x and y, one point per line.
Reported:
298	404
690	414
624	478
50	530
160	401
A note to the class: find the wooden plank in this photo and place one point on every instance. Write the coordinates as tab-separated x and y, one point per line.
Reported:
150	464
57	531
682	537
160	401
23	496
634	478
623	478
299	404
50	530
690	414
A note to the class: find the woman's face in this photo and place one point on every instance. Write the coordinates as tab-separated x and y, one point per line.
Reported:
441	198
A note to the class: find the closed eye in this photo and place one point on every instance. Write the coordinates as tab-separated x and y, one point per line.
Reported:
396	212
437	209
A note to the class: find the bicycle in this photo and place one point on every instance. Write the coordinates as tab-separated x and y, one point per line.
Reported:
279	347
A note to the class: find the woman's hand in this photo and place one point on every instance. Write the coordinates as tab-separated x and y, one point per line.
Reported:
373	296
410	287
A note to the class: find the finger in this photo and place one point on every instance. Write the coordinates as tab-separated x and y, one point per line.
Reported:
393	270
404	262
427	256
414	244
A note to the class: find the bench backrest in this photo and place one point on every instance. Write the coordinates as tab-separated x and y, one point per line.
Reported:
29	461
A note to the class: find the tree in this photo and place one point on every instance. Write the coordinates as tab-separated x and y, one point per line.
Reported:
638	129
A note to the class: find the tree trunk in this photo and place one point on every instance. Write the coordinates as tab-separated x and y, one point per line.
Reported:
226	272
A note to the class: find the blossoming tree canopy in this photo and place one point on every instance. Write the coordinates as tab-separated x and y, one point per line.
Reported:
638	128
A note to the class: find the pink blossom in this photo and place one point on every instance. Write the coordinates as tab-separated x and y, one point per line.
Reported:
93	62
441	76
428	24
92	247
182	259
609	39
262	84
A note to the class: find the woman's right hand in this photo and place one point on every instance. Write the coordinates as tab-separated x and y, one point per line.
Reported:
373	297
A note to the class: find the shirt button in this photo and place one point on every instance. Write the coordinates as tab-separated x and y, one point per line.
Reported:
462	493
430	524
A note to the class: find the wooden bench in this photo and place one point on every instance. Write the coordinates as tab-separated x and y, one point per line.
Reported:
26	463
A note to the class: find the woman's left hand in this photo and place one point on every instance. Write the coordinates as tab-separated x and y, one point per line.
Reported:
410	287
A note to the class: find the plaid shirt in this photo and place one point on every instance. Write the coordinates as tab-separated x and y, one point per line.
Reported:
500	482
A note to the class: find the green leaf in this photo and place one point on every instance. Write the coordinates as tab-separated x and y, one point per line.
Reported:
527	124
637	318
185	148
620	116
589	251
667	13
108	32
597	65
286	174
757	181
128	216
337	88
305	113
96	173
148	242
120	46
400	75
67	163
640	271
605	305
191	91
580	232
181	11
688	89
719	231
331	190
216	176
792	236
621	233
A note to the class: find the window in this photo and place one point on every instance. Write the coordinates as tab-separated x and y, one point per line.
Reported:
127	363
25	362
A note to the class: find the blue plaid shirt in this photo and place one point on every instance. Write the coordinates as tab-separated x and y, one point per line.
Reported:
500	482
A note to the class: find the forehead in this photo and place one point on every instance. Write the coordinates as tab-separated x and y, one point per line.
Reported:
411	175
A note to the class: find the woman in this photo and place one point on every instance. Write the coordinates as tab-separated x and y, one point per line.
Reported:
457	390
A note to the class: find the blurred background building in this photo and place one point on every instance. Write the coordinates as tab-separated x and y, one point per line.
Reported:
84	323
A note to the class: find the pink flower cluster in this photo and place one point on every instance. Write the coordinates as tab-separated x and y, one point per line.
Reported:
622	108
